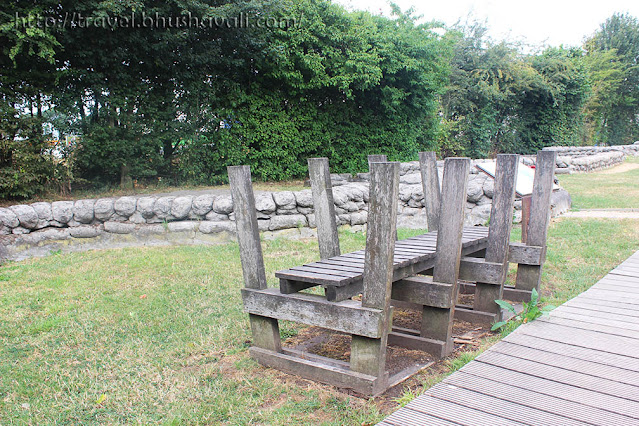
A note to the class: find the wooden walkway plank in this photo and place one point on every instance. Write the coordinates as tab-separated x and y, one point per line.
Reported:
589	306
459	414
569	363
611	313
411	418
552	388
583	353
603	304
604	329
539	401
584	338
498	406
582	380
626	323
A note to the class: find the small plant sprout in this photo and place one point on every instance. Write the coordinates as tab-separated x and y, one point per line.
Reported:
531	311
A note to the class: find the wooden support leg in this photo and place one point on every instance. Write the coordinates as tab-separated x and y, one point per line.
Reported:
437	323
529	276
368	356
266	333
501	219
430	185
322	190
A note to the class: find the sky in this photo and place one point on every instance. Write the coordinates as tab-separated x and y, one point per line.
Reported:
538	23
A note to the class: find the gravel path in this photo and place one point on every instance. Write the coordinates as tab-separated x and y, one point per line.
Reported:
604	213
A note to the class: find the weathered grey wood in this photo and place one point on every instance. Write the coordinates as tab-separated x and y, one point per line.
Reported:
324	372
322	190
265	331
460	414
540	401
501	219
500	406
482	271
468	314
582	380
601	328
473	241
376	158
437	348
423	291
565	362
380	242
430	185
248	235
556	389
411	417
369	355
449	233
529	255
529	276
311	309
572	349
437	323
291	286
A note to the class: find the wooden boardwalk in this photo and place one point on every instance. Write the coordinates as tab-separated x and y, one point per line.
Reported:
578	366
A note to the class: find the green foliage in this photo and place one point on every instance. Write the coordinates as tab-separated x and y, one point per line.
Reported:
612	58
181	104
499	100
531	312
25	167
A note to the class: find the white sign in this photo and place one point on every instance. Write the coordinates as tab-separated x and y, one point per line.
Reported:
525	177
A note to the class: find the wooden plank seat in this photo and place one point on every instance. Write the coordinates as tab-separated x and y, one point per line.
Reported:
342	276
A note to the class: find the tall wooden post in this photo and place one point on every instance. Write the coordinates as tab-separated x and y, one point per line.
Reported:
376	158
501	219
437	323
430	185
322	189
529	276
266	334
368	355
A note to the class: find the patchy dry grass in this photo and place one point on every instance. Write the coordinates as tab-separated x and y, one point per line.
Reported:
607	189
151	335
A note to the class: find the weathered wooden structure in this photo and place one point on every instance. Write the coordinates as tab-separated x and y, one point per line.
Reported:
421	273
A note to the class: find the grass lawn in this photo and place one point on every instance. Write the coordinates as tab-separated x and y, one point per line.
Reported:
157	335
611	188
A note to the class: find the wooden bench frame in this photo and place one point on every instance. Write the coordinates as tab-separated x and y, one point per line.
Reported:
368	320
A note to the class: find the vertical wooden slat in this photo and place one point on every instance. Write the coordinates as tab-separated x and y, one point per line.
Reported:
265	331
248	234
437	323
376	158
501	219
369	355
529	276
430	185
322	190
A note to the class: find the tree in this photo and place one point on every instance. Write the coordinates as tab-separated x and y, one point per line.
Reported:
612	57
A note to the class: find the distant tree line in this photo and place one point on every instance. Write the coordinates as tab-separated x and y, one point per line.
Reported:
179	104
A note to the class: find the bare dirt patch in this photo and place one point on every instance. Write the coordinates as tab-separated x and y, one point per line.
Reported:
625	167
335	345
